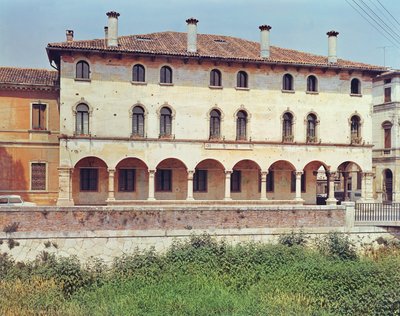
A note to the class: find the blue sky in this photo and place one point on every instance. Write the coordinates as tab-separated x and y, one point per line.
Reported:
27	26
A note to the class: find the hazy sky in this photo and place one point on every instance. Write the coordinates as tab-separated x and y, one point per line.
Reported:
26	26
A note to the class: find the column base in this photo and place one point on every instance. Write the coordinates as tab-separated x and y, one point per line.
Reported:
189	199
263	199
151	199
110	200
298	200
65	202
331	201
227	199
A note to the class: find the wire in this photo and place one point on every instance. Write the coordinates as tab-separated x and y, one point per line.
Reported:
388	12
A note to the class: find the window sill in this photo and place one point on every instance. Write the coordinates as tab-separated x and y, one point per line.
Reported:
312	92
287	91
83	79
139	83
164	84
39	131
166	136
136	136
82	135
242	89
216	87
356	95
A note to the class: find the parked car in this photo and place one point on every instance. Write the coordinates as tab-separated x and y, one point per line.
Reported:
14	200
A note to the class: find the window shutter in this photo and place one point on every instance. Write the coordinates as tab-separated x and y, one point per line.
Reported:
35	116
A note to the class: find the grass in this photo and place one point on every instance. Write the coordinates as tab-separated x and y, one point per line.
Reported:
204	277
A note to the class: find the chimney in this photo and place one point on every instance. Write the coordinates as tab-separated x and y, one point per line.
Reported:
112	30
332	39
70	35
192	35
264	41
106	34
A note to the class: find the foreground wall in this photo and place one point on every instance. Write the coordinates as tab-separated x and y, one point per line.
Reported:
107	232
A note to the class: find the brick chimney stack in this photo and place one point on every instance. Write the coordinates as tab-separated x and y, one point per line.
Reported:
192	35
112	28
70	35
332	43
264	41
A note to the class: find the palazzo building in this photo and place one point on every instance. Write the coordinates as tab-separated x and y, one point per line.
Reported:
188	116
29	130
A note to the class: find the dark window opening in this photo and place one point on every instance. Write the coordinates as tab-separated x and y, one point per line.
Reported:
311	128
236	181
270	181
82	119
38	176
312	84
164	180
215	78
388	94
200	181
287	83
165	74
241	122
89	179
165	122
355	129
126	180
387	128
215	124
355	86
138	73
287	127
138	121
39	116
241	79
82	70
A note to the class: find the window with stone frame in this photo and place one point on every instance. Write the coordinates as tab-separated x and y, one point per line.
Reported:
82	119
165	74
164	180
241	125
82	70
311	128
215	78
215	124
355	86
138	73
126	180
388	94
138	121
242	80
165	122
200	180
38	176
355	129
387	132
287	124
312	84
39	117
236	179
89	178
287	82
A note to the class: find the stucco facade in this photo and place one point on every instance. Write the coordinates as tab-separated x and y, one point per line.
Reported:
110	93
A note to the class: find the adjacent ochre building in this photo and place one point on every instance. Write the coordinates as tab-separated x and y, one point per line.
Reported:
29	130
188	116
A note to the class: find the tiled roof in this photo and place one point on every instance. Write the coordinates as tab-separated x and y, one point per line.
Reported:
209	46
28	76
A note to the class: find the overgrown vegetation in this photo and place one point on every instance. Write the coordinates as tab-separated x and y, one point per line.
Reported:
203	276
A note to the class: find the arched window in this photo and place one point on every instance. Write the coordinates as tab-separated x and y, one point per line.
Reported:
287	82
311	128
241	80
287	133
215	124
241	122
165	74
138	73
355	86
387	129
312	84
82	70
138	121
165	122
82	119
355	129
215	78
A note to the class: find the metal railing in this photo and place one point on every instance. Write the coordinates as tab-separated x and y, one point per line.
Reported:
377	212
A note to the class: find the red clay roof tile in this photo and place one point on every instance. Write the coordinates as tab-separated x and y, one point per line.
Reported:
28	76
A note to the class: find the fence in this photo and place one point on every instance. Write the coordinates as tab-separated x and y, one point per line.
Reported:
378	213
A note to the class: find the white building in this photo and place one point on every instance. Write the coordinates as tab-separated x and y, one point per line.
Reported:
188	116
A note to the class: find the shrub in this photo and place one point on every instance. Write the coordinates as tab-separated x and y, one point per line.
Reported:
337	246
293	238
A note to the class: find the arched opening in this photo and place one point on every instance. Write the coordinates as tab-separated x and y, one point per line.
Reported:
281	174
245	180
131	180
171	180
387	186
316	183
208	180
90	182
349	180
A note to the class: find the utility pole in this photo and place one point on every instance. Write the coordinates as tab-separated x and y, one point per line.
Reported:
384	53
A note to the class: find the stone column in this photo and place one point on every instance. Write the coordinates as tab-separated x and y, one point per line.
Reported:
367	194
331	190
65	187
263	195
298	185
228	185
190	186
151	185
345	180
111	195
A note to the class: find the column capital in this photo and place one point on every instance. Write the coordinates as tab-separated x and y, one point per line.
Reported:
298	173
152	171
111	170
368	174
264	172
228	171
